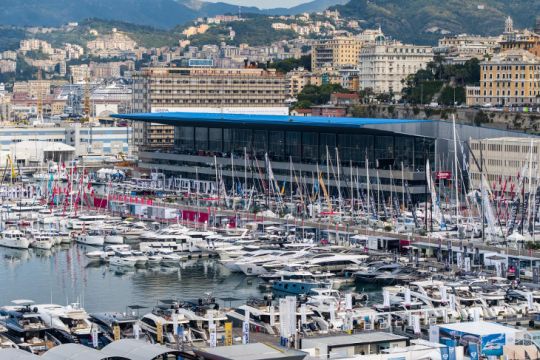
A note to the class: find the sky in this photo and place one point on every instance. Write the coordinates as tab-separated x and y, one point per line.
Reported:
264	4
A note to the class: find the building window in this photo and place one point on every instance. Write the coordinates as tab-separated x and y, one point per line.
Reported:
215	140
201	138
310	146
293	141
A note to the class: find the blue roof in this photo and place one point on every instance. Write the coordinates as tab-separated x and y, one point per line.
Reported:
241	119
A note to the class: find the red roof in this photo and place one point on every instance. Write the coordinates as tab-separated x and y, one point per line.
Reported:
345	96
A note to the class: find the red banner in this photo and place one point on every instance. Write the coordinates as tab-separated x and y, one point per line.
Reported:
443	175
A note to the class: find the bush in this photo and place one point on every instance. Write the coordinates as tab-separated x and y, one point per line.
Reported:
480	118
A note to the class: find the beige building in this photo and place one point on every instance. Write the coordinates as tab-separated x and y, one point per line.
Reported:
516	39
247	90
385	64
5	107
79	73
509	78
460	48
111	44
504	158
32	88
343	51
7	66
336	53
35	45
296	81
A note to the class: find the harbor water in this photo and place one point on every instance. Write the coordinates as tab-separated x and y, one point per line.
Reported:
64	276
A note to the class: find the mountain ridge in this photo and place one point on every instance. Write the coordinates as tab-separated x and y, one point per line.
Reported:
163	14
424	21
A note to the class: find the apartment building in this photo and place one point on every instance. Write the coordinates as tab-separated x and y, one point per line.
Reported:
509	78
335	53
386	63
33	88
503	159
460	48
513	39
237	91
341	52
79	73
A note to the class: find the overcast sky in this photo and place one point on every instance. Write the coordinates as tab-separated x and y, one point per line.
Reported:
264	4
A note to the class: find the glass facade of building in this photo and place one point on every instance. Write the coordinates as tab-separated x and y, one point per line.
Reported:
307	145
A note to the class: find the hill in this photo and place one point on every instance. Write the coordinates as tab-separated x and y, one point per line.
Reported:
163	14
146	36
255	30
159	13
423	21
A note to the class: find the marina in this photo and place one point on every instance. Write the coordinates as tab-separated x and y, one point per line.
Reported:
107	275
337	253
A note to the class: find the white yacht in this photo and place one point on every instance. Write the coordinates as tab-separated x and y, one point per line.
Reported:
336	262
169	258
42	241
154	259
122	258
92	237
71	319
150	322
14	239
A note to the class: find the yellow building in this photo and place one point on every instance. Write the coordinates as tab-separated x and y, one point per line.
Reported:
336	53
510	78
514	39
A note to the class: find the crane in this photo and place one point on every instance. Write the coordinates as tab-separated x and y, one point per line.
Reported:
9	162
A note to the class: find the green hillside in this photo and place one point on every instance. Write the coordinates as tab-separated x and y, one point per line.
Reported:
421	21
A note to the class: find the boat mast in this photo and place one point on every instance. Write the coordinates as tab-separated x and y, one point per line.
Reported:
456	168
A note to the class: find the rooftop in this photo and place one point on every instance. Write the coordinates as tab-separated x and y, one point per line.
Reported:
254	351
523	140
480	328
349	340
248	119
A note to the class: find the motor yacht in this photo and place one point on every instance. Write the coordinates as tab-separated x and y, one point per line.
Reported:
92	237
42	241
169	258
122	258
26	328
5	342
14	239
113	237
69	323
107	321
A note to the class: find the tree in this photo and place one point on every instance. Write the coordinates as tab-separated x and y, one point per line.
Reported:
286	65
303	104
318	95
425	83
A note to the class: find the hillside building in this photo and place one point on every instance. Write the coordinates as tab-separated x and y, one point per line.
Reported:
509	78
237	91
385	64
